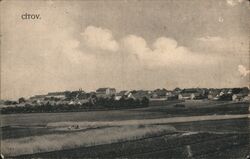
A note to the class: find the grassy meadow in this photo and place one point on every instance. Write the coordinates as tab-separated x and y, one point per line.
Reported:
153	132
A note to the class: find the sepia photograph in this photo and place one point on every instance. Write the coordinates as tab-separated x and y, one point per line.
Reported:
151	79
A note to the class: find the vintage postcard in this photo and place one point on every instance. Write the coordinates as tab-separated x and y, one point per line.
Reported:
125	79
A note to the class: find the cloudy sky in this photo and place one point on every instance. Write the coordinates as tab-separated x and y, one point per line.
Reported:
125	44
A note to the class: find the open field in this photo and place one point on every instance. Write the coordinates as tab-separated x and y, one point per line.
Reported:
153	132
192	109
200	139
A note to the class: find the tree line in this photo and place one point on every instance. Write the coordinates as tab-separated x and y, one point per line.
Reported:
93	103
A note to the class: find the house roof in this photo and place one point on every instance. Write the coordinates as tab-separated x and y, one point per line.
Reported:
189	94
214	92
141	93
122	93
243	91
101	89
190	90
104	89
160	91
56	93
177	89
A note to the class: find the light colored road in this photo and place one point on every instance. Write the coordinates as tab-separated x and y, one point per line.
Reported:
148	121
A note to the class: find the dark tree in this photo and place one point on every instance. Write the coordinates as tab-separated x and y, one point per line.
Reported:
144	101
21	100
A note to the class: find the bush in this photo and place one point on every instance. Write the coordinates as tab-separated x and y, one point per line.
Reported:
21	100
144	101
93	104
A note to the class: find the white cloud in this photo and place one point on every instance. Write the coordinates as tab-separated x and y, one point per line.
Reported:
99	38
165	51
243	71
135	45
234	2
65	46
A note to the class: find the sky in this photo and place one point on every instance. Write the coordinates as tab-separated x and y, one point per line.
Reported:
126	44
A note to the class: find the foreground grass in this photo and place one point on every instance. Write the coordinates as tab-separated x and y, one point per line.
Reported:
176	145
50	133
53	142
201	139
104	133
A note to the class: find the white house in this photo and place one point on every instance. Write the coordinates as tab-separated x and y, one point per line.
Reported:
105	91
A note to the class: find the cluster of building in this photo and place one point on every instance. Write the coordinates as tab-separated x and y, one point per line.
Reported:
81	97
235	94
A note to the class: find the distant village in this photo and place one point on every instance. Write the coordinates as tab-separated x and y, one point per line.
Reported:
80	97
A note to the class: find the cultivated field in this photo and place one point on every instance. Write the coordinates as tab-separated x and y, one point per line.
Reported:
200	130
